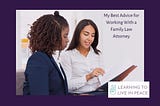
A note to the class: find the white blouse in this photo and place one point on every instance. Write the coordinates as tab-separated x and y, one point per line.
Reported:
77	66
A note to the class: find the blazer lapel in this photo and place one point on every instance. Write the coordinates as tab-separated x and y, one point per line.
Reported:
64	79
55	64
66	85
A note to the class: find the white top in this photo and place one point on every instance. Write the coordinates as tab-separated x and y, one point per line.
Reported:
77	66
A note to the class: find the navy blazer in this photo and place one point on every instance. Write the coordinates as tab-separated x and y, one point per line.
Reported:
43	76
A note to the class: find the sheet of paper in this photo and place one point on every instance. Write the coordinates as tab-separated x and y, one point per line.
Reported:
112	72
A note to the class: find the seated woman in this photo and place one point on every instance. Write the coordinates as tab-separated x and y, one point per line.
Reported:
82	61
43	74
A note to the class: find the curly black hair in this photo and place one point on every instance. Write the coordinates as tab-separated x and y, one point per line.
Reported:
45	33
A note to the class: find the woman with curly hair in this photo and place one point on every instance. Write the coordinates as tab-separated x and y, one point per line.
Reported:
43	74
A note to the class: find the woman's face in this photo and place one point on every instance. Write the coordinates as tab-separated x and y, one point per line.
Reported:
87	36
64	36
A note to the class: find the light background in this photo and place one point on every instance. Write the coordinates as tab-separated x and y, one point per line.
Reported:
115	51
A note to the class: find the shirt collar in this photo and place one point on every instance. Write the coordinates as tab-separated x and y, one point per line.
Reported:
56	56
90	51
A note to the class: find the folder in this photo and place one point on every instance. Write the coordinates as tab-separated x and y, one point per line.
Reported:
124	74
116	75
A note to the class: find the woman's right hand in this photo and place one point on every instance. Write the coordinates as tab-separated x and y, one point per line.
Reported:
95	73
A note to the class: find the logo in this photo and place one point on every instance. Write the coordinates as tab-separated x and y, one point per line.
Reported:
113	90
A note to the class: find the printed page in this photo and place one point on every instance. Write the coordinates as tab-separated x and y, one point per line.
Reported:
112	72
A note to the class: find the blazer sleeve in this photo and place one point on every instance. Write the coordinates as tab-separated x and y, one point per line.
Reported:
37	72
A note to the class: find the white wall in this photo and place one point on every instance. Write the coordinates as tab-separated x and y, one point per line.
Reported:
25	18
115	50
